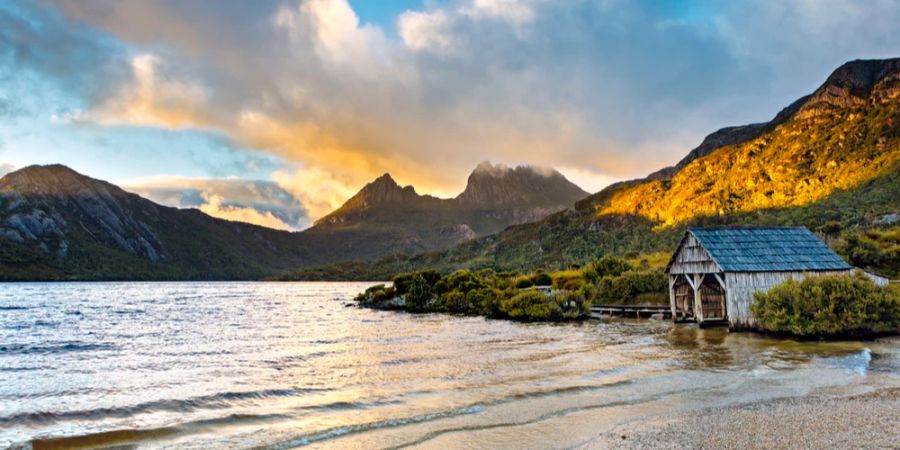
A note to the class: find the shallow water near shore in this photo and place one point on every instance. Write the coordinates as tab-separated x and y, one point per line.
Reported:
285	365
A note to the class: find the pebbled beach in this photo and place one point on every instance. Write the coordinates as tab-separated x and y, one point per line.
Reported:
833	420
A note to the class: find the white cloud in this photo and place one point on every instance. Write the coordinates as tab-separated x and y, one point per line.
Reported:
603	90
257	202
424	30
214	206
514	11
320	192
335	31
153	97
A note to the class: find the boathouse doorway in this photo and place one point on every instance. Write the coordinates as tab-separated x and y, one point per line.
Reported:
684	299
712	299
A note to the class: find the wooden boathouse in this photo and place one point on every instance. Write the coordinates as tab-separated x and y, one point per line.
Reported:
714	272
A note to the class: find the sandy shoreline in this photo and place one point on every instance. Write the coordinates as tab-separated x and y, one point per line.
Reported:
870	420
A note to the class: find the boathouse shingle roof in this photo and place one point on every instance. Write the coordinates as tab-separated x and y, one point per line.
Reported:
768	249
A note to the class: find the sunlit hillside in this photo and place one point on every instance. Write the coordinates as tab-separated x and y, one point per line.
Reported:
803	160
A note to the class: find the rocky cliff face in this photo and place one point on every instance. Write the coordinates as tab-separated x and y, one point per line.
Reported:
45	204
58	224
855	84
382	192
501	187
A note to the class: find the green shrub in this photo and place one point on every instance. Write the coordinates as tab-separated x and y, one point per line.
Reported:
606	266
461	280
371	294
570	280
402	281
419	295
828	306
630	286
484	301
531	306
524	283
455	302
542	279
572	304
859	251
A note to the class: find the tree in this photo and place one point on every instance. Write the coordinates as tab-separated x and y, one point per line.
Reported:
419	295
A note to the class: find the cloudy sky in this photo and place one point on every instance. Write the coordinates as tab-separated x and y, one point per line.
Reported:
276	111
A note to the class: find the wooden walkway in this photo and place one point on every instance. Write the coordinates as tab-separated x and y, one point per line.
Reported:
639	312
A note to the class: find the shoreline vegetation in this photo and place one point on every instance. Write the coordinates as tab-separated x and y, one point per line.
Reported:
831	307
532	297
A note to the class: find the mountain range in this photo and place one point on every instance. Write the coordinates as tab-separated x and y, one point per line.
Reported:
830	160
58	224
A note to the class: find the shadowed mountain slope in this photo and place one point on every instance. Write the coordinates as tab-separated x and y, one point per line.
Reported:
58	224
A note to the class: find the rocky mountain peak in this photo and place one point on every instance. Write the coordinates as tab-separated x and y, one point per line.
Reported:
379	192
385	190
491	186
56	180
855	84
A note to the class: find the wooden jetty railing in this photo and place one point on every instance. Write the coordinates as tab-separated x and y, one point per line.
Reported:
631	310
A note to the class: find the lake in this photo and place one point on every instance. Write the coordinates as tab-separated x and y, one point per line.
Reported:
285	365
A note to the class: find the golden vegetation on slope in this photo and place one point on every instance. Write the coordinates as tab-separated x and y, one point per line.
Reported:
803	160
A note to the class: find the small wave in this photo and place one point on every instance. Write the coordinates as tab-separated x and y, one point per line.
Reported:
541	418
332	433
20	369
61	347
121	438
100	440
559	391
13	308
214	401
345	406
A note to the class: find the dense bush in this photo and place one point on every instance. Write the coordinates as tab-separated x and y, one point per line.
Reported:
877	250
402	281
570	280
542	279
524	283
512	295
484	301
828	306
530	305
631	286
461	280
606	266
572	303
419	295
455	302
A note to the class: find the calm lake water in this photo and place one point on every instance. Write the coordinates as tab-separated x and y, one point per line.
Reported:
285	365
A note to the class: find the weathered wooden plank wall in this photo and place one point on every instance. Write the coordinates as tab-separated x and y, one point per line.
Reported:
742	286
692	258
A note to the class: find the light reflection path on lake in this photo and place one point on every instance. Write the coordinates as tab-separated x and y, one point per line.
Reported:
284	365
